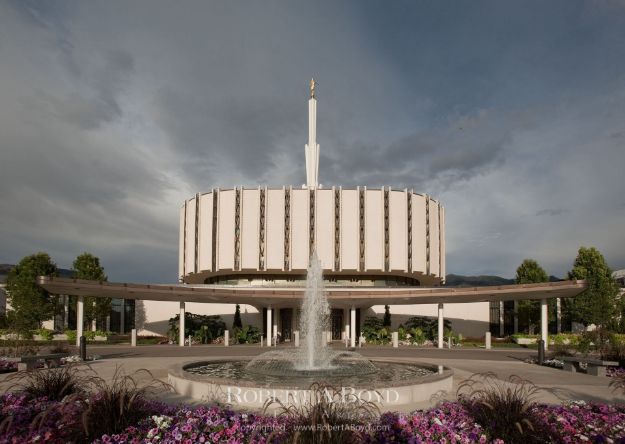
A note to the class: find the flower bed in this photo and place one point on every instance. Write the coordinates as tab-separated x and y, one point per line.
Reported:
450	422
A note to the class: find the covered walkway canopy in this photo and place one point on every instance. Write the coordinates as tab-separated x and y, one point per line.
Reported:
359	297
347	297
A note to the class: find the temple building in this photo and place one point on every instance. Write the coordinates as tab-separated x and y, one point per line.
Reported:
252	246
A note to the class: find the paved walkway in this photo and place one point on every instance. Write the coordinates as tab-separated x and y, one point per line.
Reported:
559	385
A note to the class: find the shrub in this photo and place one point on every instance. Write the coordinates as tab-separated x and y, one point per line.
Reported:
19	347
503	408
247	335
325	416
203	328
45	334
429	326
54	383
119	403
71	335
61	347
417	336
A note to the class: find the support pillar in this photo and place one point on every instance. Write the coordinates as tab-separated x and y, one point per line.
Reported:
80	318
108	323
181	326
226	338
65	312
558	315
276	314
501	320
441	326
269	328
516	316
352	338
544	322
122	317
133	337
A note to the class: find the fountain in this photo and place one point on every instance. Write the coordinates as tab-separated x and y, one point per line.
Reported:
286	375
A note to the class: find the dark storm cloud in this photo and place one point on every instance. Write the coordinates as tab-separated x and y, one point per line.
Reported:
551	212
512	115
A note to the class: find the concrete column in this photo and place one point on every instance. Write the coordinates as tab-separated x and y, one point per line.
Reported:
352	338
108	323
65	312
226	338
181	326
80	318
395	336
276	315
347	337
93	325
516	316
501	320
487	340
269	328
558	315
296	336
544	322
294	323
133	337
122	318
441	326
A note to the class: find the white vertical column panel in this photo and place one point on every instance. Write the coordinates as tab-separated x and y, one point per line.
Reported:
299	228
418	233
434	240
443	272
181	255
324	227
225	235
398	229
374	229
205	259
274	230
349	230
250	224
190	237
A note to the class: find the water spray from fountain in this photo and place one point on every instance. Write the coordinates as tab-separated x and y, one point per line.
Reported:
314	318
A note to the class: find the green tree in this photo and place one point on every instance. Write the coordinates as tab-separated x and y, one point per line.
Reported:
87	266
530	272
599	303
236	323
386	322
30	304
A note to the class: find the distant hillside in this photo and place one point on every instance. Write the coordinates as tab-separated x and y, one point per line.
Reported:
457	280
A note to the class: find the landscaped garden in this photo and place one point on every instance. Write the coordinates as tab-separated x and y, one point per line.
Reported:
70	404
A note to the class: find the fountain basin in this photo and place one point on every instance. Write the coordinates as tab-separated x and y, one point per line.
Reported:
396	385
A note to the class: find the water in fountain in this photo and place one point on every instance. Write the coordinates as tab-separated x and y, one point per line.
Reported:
314	358
314	320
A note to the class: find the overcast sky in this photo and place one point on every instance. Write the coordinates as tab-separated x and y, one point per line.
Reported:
113	112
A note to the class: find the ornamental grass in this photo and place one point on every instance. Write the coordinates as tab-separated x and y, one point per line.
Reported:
504	408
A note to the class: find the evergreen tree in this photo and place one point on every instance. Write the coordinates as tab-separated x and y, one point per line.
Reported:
386	322
87	266
530	272
30	304
599	303
236	323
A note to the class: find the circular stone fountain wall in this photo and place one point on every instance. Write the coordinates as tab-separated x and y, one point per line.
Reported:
394	384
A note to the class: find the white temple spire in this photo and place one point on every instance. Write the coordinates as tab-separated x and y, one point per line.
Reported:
312	148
